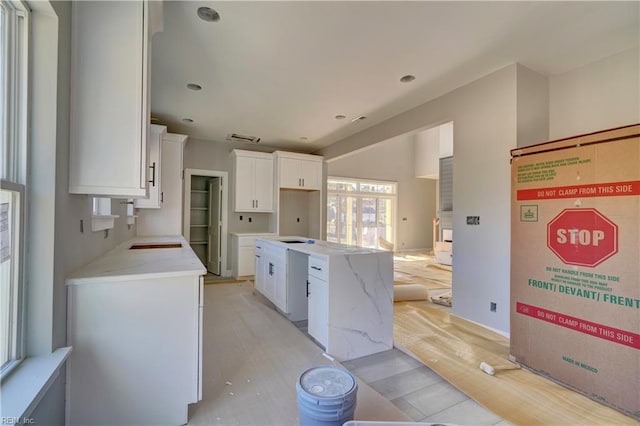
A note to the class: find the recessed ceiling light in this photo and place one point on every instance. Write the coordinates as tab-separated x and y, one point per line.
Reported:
407	78
208	14
187	120
194	86
340	117
362	117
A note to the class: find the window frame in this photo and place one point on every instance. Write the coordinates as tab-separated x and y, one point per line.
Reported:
16	341
14	144
359	195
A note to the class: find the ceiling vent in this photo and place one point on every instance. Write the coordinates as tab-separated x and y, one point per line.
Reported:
235	137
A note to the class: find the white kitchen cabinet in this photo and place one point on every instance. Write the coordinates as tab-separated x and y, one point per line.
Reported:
154	171
246	258
281	276
270	279
350	303
253	176
318	321
269	285
110	58
272	282
299	171
244	250
134	320
278	265
167	220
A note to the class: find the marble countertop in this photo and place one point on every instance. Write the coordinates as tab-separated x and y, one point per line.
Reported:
318	247
121	262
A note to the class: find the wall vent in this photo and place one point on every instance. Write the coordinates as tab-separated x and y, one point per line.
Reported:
235	137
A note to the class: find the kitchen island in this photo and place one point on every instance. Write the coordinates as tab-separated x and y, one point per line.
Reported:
135	323
345	292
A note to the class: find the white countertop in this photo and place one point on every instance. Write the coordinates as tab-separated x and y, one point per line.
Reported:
121	262
318	247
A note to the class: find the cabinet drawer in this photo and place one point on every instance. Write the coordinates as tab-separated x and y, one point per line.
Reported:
246	241
318	267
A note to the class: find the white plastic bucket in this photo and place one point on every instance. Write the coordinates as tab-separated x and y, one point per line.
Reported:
326	396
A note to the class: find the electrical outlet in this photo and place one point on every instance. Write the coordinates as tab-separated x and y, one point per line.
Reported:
493	307
473	220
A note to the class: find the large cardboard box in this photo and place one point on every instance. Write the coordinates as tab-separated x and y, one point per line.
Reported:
575	264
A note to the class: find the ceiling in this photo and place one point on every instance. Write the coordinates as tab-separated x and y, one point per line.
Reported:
282	71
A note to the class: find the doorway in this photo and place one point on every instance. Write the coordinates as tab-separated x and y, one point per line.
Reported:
205	217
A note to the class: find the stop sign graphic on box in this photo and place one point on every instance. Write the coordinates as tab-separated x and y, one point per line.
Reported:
582	237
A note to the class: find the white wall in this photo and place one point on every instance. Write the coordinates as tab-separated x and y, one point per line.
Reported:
392	160
484	117
426	161
532	107
491	116
597	96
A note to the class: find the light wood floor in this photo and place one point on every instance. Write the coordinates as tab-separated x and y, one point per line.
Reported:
454	348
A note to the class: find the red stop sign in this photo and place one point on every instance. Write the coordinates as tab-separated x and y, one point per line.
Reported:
582	237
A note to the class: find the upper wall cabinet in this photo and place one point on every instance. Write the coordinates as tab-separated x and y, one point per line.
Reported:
253	177
298	171
110	57
154	176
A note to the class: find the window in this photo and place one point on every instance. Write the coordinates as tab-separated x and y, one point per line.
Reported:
13	175
360	212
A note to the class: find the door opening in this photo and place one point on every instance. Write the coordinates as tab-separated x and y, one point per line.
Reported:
205	217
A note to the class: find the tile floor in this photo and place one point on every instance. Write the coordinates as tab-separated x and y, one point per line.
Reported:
419	392
416	390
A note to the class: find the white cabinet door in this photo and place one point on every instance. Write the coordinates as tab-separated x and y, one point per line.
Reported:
260	269
154	176
166	220
246	261
289	173
263	184
132	344
253	174
299	171
280	280
318	310
275	275
244	184
269	276
109	95
311	174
